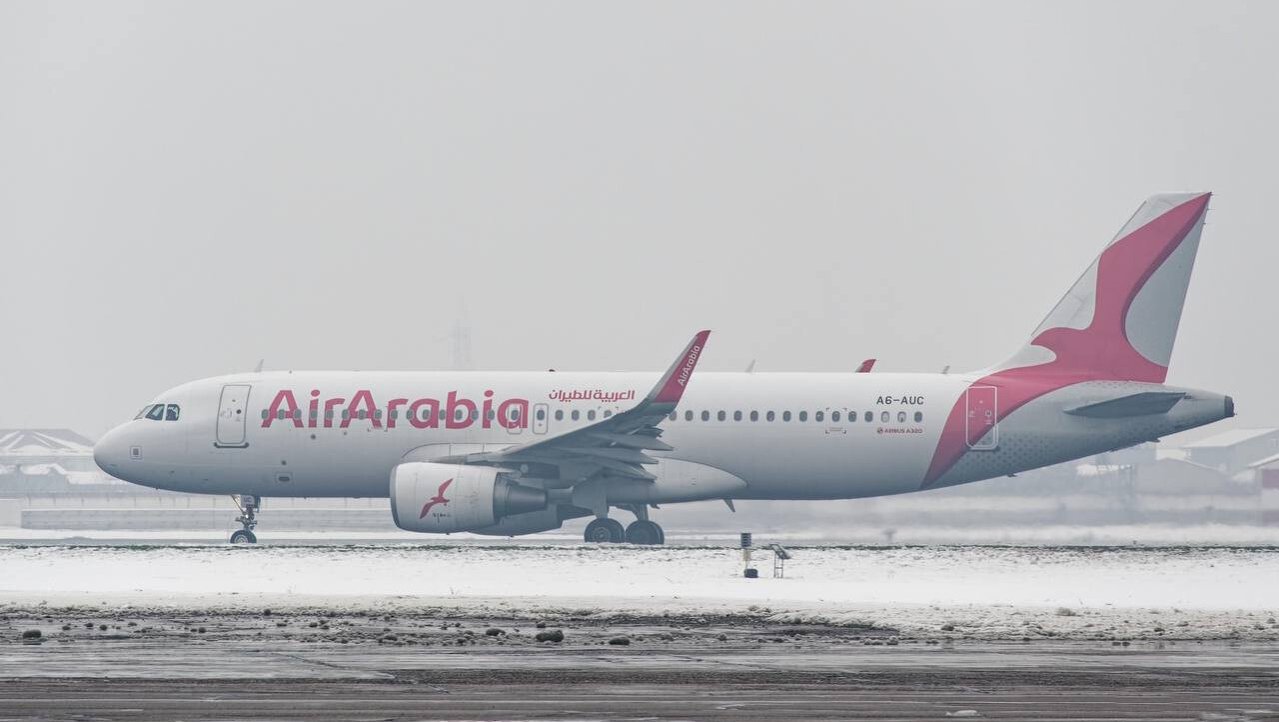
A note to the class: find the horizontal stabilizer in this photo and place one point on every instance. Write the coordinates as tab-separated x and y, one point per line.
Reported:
1145	403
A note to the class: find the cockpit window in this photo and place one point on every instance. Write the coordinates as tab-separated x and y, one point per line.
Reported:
143	412
156	413
171	412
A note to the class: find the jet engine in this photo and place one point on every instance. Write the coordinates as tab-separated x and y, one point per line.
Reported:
444	498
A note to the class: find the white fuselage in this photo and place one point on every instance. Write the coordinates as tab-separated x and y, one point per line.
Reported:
735	435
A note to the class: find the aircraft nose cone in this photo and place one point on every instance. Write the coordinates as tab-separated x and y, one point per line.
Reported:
110	452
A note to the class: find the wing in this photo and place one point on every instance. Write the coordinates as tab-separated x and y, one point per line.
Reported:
614	445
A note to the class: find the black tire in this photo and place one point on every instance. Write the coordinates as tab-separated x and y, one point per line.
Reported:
598	532
242	536
616	532
645	532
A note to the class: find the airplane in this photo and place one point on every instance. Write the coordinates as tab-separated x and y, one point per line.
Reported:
504	453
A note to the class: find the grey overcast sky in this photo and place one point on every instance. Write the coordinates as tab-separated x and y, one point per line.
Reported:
188	187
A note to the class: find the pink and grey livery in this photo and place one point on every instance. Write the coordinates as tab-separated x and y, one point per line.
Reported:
1110	336
509	453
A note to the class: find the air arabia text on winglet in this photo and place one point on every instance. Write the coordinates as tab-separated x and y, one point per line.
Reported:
422	413
684	372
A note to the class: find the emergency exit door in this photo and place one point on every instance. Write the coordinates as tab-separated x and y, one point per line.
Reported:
233	416
982	422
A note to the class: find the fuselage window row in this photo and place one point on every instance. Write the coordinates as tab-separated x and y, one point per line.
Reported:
170	412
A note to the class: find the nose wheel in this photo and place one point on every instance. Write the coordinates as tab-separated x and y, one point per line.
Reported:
240	536
248	506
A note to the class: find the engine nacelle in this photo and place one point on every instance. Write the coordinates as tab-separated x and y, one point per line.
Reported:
444	498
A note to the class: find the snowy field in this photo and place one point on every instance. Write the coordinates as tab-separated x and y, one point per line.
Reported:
977	592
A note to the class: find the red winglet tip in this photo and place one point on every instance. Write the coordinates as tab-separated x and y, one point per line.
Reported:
677	378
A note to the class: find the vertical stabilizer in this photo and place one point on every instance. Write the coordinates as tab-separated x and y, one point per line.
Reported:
1119	320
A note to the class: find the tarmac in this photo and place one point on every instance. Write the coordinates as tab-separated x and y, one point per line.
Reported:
128	664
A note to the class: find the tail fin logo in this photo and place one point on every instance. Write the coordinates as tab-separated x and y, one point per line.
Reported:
1091	332
1105	347
439	499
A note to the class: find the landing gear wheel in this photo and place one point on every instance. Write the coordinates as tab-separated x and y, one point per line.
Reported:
645	532
605	531
243	536
248	506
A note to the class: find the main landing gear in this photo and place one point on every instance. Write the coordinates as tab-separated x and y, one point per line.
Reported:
248	506
641	531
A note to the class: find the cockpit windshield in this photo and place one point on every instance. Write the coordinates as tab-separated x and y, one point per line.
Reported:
160	412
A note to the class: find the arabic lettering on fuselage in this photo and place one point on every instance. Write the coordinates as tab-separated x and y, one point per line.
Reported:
600	395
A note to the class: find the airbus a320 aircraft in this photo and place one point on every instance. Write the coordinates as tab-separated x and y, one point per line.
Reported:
516	453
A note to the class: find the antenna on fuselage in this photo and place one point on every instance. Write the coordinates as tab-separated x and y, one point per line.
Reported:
750	368
258	369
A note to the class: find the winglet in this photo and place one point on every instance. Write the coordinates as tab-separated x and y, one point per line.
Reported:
866	366
671	388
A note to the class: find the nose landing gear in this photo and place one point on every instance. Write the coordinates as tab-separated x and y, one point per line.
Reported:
248	506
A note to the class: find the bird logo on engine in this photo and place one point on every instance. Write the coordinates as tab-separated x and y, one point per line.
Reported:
437	499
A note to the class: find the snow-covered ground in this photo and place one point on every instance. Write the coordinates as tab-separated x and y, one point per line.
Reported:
985	592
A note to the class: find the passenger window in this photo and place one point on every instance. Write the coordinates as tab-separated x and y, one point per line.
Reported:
706	416
362	414
156	412
541	414
785	416
490	415
688	415
265	413
834	416
559	414
721	416
672	416
754	416
883	417
590	415
870	416
737	416
607	413
576	414
297	414
770	416
919	417
803	416
901	417
279	415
